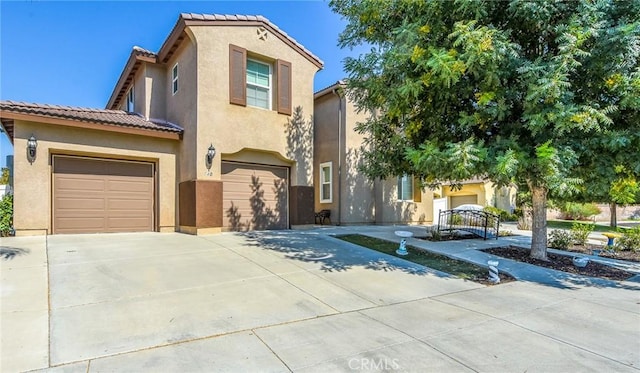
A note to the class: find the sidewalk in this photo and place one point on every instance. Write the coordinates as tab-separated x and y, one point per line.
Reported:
470	251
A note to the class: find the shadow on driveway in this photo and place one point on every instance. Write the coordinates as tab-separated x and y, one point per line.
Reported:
333	254
8	253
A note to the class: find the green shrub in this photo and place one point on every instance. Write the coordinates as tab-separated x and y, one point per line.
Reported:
559	239
455	219
580	232
503	214
6	215
578	211
630	240
436	235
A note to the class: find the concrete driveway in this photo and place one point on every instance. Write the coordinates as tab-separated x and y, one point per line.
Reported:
289	301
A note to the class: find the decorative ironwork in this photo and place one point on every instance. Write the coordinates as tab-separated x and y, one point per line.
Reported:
480	223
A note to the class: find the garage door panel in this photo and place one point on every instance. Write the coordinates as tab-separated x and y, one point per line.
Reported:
66	204
75	184
94	195
79	224
254	196
144	186
128	224
129	205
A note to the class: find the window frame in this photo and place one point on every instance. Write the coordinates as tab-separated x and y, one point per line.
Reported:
131	100
174	79
269	88
323	182
401	192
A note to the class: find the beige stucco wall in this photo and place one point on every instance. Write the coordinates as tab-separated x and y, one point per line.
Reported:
390	211
358	193
231	128
32	198
181	108
156	88
336	141
325	132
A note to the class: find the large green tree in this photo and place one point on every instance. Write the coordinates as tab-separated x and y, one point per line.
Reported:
498	89
608	160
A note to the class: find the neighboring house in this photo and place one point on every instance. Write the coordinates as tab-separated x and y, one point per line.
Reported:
352	199
213	132
341	188
480	192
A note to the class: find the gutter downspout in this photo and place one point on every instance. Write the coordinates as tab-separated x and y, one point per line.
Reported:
339	92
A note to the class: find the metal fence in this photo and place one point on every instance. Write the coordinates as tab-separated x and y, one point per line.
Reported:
480	223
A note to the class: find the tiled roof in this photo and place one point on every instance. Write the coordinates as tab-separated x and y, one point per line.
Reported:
143	52
110	117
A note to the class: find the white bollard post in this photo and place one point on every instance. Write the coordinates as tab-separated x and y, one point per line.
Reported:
493	271
402	250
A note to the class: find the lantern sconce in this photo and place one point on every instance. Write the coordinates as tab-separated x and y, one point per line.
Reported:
211	152
32	144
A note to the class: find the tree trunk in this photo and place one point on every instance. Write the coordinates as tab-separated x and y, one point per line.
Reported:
613	207
539	226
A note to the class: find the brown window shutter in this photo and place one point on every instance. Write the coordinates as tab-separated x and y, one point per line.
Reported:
237	75
284	87
417	190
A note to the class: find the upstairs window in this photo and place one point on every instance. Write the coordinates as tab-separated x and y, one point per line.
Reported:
130	100
405	188
325	182
174	79
258	84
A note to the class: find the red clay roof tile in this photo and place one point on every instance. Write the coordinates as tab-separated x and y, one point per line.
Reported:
90	115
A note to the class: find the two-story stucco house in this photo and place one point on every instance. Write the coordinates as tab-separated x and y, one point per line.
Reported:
340	188
352	199
212	132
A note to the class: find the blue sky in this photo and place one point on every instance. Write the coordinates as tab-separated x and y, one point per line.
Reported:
72	53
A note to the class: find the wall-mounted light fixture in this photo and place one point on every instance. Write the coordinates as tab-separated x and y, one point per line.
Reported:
211	152
32	144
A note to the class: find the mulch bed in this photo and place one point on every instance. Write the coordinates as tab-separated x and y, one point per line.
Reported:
561	263
631	256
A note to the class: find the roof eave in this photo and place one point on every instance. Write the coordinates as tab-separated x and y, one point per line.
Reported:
330	89
133	130
129	69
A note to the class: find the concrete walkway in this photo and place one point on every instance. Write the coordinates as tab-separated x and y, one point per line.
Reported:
296	301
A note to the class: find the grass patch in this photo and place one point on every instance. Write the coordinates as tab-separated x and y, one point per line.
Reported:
566	224
438	262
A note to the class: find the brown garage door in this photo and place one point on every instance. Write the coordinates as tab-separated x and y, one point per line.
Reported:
254	196
463	200
95	195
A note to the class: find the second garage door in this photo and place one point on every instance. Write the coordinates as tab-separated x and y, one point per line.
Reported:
93	195
255	197
463	200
